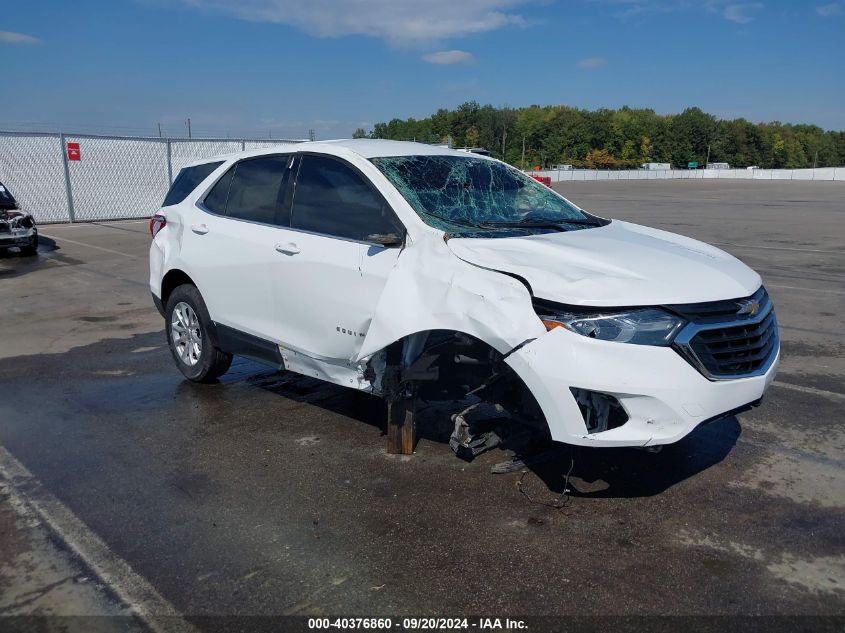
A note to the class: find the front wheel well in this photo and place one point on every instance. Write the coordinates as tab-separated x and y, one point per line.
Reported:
451	365
172	280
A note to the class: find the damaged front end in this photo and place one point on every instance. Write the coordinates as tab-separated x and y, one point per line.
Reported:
17	228
488	404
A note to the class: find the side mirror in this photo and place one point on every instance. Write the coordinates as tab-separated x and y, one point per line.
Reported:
385	239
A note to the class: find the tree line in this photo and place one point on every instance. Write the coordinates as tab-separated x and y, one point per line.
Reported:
619	139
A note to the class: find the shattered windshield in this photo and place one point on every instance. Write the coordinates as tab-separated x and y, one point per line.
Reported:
464	195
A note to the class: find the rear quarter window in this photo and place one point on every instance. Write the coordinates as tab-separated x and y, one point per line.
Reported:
187	181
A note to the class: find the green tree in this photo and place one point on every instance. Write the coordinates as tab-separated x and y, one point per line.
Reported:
778	151
645	149
471	138
692	132
360	133
599	159
565	134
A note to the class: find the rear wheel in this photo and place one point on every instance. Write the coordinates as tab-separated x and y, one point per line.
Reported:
187	324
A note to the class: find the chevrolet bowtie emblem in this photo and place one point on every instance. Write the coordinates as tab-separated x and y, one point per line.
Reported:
749	306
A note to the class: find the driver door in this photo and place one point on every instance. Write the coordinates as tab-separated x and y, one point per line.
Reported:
330	273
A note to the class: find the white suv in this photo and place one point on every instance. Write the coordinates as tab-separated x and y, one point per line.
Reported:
404	269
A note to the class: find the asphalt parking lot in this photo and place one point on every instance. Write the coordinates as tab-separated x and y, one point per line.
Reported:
273	494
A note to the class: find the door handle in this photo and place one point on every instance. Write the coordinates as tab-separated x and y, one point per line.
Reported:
288	249
199	229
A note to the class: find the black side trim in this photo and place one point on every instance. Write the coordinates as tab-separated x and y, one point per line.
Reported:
158	304
737	411
242	344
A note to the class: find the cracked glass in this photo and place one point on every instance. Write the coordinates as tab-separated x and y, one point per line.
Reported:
466	195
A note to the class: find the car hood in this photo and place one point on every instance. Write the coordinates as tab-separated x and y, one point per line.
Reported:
620	264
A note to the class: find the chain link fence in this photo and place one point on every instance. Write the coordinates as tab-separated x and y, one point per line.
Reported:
576	175
84	177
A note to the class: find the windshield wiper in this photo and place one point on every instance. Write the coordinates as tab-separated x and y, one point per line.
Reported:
538	223
589	221
457	221
544	223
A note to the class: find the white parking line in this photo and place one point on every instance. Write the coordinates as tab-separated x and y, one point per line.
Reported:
811	390
114	572
777	248
99	248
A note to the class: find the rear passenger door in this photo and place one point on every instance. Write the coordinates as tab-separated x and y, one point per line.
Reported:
244	214
330	273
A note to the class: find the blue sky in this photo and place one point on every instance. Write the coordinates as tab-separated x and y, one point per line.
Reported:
253	67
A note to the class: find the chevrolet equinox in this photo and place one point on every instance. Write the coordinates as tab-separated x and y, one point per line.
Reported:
404	269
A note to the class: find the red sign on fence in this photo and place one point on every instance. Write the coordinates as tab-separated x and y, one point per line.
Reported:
73	152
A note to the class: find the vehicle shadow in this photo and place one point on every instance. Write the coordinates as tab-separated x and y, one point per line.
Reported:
357	405
631	472
14	263
45	245
580	471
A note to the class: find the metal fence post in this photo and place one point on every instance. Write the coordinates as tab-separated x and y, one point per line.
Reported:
63	149
243	144
169	166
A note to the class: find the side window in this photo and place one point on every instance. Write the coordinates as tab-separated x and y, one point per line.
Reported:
187	181
255	190
332	198
215	201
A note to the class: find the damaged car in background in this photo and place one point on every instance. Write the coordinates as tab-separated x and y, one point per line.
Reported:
418	272
17	228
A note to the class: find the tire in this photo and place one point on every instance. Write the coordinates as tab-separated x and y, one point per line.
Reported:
187	325
31	248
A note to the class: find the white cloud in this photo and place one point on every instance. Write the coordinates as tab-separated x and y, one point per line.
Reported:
10	37
739	13
592	62
625	9
397	21
828	10
449	57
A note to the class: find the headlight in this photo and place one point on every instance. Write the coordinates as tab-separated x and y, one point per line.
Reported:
640	326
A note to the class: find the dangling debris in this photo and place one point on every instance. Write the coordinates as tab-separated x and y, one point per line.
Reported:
468	440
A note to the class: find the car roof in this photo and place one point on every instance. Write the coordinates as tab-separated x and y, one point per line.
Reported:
373	148
364	147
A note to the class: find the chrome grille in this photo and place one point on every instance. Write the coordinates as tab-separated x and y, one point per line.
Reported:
724	344
721	311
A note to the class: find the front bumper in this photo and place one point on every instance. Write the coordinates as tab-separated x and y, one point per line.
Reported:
17	237
663	395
